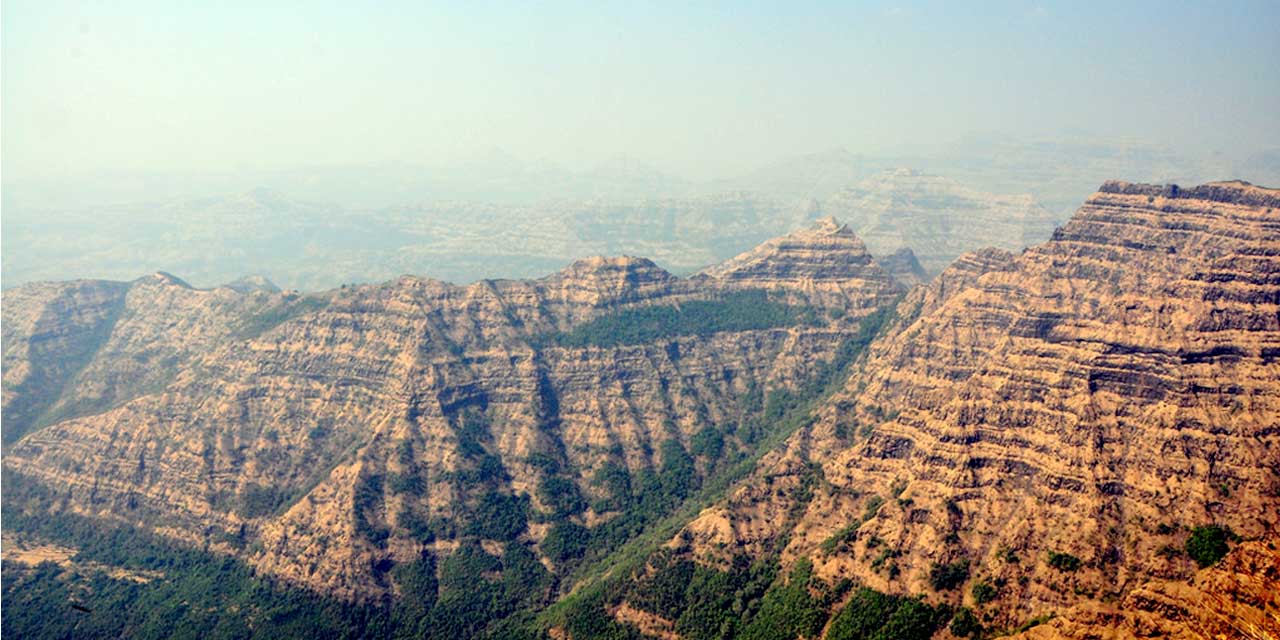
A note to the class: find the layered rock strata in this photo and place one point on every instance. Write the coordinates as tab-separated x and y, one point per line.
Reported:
1052	423
312	443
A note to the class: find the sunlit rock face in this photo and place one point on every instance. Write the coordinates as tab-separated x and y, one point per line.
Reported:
317	436
1096	395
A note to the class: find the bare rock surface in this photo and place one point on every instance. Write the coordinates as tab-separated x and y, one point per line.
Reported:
1095	397
318	436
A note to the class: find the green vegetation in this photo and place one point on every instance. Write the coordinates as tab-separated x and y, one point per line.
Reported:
945	577
615	481
199	594
842	536
984	592
707	443
499	516
409	483
736	311
788	610
964	624
565	541
196	594
1064	561
418	588
749	601
847	533
872	615
562	495
678	477
1208	544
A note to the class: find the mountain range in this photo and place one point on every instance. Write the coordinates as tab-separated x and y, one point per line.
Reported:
813	438
309	246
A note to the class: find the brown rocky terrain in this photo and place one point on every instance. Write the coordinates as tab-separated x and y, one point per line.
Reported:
73	348
1033	436
327	438
1050	424
1237	598
904	268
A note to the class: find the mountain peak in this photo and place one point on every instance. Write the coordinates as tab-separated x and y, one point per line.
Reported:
829	225
605	264
903	267
826	257
164	278
1227	192
252	283
600	279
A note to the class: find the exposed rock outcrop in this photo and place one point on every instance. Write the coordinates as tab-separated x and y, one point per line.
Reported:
76	348
326	438
1095	396
1237	598
825	263
904	268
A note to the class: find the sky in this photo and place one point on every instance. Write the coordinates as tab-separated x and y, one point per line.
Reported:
699	89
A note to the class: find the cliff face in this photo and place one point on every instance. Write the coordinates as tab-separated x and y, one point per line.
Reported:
1237	598
49	331
326	439
826	263
1090	399
74	348
1044	429
904	267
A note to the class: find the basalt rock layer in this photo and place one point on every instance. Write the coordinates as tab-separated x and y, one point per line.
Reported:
1046	427
328	438
1237	598
74	348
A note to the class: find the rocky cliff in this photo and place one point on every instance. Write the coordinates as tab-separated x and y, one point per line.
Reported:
903	266
1069	431
328	439
74	348
1052	425
1236	598
825	262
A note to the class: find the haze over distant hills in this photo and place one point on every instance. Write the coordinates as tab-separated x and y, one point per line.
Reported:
311	246
1058	171
496	216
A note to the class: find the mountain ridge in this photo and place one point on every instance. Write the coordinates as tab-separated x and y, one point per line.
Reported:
1063	401
1026	434
361	427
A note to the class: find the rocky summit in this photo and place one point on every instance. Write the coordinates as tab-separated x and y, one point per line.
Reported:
1079	440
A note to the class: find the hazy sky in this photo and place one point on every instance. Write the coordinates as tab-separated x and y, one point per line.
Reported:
700	90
